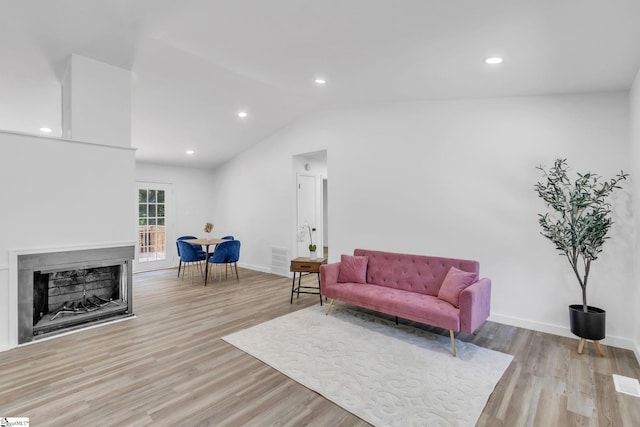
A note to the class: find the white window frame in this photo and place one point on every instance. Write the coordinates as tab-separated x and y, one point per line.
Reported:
167	262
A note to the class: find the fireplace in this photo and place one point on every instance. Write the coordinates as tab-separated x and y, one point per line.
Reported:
68	290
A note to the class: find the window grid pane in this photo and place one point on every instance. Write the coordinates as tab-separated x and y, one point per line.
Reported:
151	225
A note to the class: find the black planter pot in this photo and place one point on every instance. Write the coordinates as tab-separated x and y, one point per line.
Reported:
590	325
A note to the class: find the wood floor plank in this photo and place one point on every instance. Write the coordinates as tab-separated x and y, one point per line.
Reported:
169	366
551	409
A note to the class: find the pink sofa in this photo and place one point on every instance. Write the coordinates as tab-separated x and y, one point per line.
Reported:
443	292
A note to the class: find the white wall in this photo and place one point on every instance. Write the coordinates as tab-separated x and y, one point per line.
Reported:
194	195
451	178
58	194
635	155
96	102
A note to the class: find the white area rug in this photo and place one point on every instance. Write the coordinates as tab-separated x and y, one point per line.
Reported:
387	375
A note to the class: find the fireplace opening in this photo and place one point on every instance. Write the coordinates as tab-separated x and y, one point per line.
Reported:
62	299
68	290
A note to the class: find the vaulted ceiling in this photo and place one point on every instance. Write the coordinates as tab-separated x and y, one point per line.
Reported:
197	63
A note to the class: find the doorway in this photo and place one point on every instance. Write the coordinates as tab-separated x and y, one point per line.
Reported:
310	171
307	216
153	207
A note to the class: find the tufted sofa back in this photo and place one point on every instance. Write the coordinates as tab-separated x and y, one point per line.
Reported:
415	273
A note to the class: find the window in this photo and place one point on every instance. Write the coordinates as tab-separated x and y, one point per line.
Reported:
151	225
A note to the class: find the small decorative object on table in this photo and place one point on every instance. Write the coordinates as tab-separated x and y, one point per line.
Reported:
208	227
312	246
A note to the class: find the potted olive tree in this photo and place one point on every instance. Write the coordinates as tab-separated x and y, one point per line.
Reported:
577	223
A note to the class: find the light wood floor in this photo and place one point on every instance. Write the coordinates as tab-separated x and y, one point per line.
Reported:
168	366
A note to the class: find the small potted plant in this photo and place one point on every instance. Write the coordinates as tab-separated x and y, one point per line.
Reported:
577	224
312	246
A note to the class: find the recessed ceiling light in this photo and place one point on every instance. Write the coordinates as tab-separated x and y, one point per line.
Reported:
494	60
320	81
190	152
46	130
242	114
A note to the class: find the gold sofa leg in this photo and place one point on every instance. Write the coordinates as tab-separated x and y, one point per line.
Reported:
453	343
329	309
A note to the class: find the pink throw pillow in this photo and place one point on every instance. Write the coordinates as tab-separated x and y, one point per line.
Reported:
353	269
455	282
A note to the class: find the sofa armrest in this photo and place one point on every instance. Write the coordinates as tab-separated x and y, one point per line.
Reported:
475	305
328	274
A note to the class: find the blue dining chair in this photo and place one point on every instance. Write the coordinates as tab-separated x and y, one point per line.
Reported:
226	253
228	238
189	254
198	248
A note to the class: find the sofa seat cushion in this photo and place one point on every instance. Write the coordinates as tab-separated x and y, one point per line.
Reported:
405	304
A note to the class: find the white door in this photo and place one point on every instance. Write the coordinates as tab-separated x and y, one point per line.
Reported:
306	204
153	250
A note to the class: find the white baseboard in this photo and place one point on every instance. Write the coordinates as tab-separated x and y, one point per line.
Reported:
262	269
562	331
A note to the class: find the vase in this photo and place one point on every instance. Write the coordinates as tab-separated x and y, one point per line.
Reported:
312	254
590	325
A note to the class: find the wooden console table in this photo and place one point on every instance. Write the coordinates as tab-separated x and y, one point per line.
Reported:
305	265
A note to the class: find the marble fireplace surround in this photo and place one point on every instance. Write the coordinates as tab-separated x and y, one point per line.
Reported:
24	263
